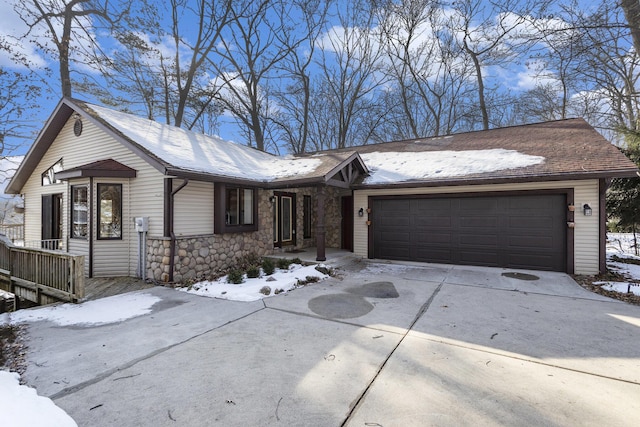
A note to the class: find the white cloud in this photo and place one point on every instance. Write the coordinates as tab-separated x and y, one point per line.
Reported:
12	28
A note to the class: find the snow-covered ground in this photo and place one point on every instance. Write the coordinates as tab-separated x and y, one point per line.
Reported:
21	406
250	290
621	246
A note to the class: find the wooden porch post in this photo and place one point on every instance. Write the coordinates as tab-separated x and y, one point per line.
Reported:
320	228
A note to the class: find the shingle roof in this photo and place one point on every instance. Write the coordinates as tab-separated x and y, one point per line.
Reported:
571	149
565	149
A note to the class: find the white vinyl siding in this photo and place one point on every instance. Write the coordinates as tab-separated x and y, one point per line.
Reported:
586	240
143	196
193	209
586	236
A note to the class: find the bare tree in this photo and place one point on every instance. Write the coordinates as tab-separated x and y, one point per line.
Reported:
294	95
430	81
245	61
70	28
350	63
489	35
611	66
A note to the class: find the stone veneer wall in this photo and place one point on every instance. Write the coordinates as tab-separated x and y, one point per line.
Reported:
200	257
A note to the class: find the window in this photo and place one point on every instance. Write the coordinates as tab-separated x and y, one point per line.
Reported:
239	206
48	176
235	209
109	211
79	211
306	232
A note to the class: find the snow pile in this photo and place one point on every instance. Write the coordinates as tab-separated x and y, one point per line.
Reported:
249	290
389	167
99	312
21	406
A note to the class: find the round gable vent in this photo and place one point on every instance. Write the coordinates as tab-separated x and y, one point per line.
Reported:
77	127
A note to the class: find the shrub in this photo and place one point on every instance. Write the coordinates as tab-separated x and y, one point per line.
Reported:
235	276
253	272
284	263
268	266
248	261
296	261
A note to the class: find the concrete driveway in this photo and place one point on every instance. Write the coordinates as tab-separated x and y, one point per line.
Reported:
385	345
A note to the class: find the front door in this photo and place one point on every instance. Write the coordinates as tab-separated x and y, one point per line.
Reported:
284	219
347	223
51	221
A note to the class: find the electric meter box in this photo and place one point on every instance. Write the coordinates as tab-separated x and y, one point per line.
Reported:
141	223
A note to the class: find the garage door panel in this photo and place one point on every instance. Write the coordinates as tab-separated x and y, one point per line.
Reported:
479	221
480	241
434	238
432	222
532	242
478	204
393	238
523	231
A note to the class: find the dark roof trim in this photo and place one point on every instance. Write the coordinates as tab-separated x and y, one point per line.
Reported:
101	169
502	180
207	177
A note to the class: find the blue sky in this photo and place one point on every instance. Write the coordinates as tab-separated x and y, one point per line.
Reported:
516	77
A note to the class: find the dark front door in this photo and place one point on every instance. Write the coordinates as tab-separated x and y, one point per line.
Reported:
347	223
519	231
284	219
51	221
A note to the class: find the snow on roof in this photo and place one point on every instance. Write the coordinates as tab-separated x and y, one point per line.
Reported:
390	167
192	151
203	153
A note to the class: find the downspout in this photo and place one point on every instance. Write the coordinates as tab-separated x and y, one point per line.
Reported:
602	209
172	245
92	224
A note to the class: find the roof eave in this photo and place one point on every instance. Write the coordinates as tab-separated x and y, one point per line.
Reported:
209	177
576	176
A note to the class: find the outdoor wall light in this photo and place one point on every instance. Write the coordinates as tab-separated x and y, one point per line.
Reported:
272	199
586	209
361	212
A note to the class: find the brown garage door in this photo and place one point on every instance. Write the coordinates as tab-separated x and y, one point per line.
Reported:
521	231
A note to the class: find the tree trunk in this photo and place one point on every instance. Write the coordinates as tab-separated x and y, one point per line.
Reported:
631	10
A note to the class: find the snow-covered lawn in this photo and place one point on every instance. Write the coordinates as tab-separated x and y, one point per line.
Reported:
281	281
621	259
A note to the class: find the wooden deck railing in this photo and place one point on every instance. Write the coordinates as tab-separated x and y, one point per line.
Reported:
14	232
39	275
